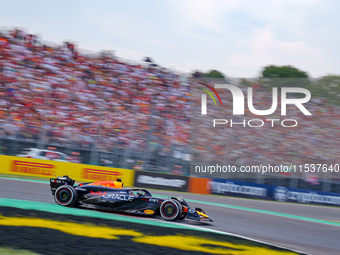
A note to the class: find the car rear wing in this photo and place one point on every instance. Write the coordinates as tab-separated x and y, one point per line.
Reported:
59	181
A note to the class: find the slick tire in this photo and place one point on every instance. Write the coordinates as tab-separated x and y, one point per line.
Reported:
65	195
184	203
170	210
182	217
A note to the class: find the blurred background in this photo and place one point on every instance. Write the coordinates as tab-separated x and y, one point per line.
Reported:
59	101
94	107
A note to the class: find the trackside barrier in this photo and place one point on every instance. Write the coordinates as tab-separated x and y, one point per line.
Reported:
199	185
272	192
161	181
83	173
48	168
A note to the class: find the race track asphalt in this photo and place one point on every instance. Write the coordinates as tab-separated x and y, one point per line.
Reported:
308	236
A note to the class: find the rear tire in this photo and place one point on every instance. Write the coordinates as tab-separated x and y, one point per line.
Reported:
170	210
65	195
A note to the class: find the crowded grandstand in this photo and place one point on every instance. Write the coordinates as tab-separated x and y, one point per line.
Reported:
103	110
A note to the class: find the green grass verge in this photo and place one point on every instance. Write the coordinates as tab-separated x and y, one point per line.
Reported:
10	251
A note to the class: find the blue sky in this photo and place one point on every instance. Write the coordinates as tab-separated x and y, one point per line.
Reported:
237	37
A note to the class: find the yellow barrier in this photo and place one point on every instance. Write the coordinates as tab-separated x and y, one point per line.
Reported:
48	169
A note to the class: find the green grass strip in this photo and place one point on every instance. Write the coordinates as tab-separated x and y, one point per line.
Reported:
10	251
28	180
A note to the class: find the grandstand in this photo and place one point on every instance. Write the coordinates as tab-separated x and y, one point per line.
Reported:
106	109
129	114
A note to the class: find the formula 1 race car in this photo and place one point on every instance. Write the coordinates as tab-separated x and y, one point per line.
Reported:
111	196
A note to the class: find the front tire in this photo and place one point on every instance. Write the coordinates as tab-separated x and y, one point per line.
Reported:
182	217
184	203
65	195
170	210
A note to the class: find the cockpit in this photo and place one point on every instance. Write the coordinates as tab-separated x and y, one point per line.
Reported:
139	192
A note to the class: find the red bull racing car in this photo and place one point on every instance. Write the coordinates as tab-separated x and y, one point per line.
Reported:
111	196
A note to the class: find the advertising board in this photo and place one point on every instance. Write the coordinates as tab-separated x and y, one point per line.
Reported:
161	181
49	169
272	192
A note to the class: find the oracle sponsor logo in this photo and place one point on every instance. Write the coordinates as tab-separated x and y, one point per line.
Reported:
100	175
32	168
119	197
